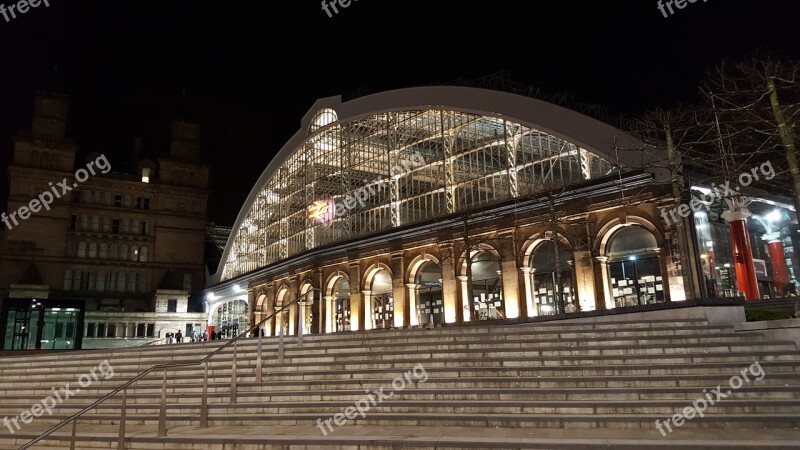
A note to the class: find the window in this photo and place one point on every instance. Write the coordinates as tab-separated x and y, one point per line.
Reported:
145	174
126	226
121	279
114	252
90	330
101	282
103	251
76	195
96	223
142	283
131	282
84	222
117	200
93	250
187	282
109	199
145	229
98	197
106	225
73	222
140	329
128	201
68	279
146	204
123	252
172	305
134	253
112	282
115	226
143	254
82	250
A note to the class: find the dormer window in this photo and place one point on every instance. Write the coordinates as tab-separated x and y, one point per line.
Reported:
145	175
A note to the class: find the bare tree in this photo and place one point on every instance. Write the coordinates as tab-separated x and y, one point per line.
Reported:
757	102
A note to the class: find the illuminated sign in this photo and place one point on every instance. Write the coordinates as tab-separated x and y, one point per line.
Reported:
321	211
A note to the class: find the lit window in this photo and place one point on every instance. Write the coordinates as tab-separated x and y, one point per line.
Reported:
146	175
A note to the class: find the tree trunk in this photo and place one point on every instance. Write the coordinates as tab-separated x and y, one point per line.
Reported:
677	198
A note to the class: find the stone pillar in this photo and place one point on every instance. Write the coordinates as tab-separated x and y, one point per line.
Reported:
449	285
402	311
465	298
413	305
603	297
292	310
510	287
330	317
527	277
270	300
369	320
356	304
736	216
665	275
777	258
584	280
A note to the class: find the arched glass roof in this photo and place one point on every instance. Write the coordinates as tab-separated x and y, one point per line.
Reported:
375	172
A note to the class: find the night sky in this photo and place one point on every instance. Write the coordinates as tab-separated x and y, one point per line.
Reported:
247	71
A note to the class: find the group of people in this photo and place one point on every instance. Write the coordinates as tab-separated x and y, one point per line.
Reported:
177	338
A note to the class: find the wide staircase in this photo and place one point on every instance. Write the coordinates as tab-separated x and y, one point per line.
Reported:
586	383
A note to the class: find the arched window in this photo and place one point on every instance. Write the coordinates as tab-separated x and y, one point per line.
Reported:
635	270
144	253
134	253
123	252
429	294
552	279
82	250
103	251
487	287
93	250
114	251
382	300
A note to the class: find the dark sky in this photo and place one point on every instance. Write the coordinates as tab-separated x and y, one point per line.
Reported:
251	69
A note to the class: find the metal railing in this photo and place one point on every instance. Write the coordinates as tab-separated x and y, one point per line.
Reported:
162	418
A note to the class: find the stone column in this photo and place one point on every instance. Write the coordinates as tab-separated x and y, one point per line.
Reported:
356	303
330	317
413	306
603	297
449	285
665	275
369	320
527	277
465	298
584	280
402	310
510	288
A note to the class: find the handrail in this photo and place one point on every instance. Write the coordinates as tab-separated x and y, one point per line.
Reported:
133	380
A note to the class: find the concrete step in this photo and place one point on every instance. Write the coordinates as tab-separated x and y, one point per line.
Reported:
417	437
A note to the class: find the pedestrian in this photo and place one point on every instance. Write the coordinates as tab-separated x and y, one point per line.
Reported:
179	337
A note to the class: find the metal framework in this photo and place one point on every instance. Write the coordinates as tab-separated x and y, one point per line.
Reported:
352	179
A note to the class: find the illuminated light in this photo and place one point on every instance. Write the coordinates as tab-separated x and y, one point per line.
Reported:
632	258
321	211
146	175
211	297
727	266
704	256
774	216
237	288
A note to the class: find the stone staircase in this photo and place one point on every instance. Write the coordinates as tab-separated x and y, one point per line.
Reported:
584	383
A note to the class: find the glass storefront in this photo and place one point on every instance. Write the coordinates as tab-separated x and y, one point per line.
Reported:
232	318
27	324
772	232
635	268
552	281
382	300
342	301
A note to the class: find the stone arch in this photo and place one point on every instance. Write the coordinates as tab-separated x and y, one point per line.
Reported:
535	241
608	230
333	279
477	249
419	263
369	274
